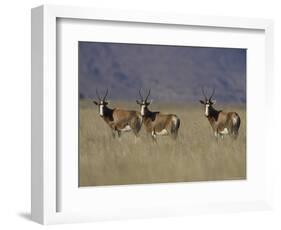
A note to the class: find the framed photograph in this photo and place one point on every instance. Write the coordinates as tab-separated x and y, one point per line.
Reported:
141	114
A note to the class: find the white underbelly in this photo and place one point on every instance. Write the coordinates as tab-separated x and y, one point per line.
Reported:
162	132
224	132
127	128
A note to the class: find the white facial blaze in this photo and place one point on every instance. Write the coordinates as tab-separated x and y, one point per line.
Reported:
142	110
207	110
101	110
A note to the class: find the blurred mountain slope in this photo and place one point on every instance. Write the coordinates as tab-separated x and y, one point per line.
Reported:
174	73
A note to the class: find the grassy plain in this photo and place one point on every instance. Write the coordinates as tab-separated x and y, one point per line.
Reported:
194	156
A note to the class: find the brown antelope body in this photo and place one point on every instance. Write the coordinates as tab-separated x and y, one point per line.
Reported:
222	123
119	120
157	123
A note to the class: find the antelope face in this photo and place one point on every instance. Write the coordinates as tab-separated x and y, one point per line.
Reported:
143	106
207	102
101	104
207	105
143	102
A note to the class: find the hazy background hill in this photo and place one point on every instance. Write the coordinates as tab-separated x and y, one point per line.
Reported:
174	73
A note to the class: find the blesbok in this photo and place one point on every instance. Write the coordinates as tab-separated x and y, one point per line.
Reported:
223	123
157	123
119	120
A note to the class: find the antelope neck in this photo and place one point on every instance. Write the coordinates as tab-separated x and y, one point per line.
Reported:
213	113
107	111
147	112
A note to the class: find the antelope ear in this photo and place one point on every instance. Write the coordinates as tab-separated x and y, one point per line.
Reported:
95	102
202	102
138	102
213	102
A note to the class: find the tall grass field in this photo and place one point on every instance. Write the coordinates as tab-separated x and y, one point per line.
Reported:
194	156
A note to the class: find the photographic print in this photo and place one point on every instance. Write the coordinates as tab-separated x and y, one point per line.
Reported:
161	113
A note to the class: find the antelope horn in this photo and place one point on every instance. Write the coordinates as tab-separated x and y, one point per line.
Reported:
105	94
140	95
98	95
147	95
212	93
203	93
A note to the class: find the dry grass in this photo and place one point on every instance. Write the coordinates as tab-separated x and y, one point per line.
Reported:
194	156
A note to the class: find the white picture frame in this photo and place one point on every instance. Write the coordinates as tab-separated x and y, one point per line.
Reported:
46	183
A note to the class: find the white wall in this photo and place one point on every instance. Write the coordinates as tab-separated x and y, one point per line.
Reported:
15	112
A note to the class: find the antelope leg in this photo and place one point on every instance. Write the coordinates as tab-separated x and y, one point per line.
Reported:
153	134
217	136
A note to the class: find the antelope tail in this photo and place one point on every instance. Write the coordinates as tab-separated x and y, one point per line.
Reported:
175	126
235	125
